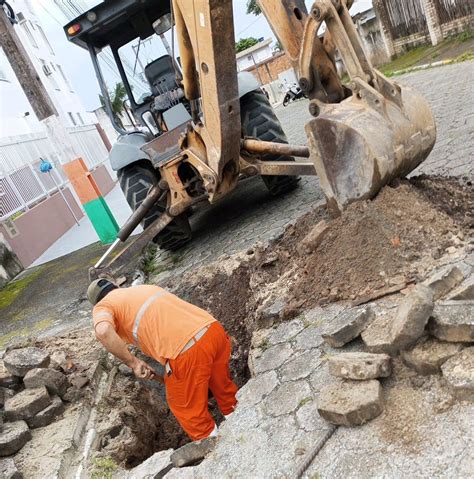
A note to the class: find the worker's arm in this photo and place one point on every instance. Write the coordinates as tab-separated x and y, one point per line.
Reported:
107	335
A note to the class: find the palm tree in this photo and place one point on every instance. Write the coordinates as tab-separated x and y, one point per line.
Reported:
117	97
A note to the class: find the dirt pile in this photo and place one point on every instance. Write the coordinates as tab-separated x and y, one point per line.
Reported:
393	240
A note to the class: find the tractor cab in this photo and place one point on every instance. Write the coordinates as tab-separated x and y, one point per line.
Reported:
133	31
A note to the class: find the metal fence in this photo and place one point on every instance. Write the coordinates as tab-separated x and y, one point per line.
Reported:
21	183
449	10
405	17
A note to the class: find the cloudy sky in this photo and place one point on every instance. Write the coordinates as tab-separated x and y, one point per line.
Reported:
76	61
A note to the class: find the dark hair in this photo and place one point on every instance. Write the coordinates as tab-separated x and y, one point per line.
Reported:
106	291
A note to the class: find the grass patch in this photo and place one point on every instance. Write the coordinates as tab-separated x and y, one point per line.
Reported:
15	288
264	344
305	401
104	468
24	332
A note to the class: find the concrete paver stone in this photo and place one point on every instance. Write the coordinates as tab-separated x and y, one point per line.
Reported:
459	374
192	452
377	336
7	379
48	414
301	366
27	403
55	381
453	321
154	467
351	403
13	437
5	394
443	281
427	356
411	317
287	397
360	366
271	358
464	290
20	361
8	469
257	388
347	326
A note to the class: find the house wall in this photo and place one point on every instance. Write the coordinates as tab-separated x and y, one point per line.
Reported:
270	69
255	56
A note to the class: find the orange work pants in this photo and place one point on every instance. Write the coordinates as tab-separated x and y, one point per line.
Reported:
202	367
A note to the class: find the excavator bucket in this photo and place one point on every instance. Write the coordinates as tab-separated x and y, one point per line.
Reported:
357	148
380	131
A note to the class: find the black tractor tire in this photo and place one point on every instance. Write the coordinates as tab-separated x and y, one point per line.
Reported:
259	121
135	181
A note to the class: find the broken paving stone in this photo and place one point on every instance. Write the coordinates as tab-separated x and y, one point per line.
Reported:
301	366
360	366
155	467
257	388
79	381
453	321
13	437
347	326
19	361
5	394
261	360
427	356
48	414
74	394
55	381
377	335
7	379
411	317
314	238
458	372
27	403
268	314
193	452
8	469
351	403
465	291
59	361
443	281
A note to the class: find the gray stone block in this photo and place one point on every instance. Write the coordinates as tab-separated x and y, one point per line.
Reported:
192	452
464	291
443	281
272	358
360	366
8	469
5	394
287	397
27	403
453	321
351	403
347	326
13	437
377	336
155	467
19	361
55	381
427	356
47	415
411	317
458	371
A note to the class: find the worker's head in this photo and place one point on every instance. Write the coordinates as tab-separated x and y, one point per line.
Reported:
98	289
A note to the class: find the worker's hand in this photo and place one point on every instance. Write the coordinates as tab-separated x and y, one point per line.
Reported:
142	370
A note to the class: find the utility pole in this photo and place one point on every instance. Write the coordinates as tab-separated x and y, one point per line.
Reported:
34	89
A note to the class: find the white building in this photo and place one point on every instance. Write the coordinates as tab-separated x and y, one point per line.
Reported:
16	115
253	55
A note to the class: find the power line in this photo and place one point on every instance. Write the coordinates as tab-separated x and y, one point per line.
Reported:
249	25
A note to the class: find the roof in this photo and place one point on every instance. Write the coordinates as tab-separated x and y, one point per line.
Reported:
117	22
254	48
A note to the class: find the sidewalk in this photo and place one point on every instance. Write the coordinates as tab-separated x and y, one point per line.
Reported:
84	234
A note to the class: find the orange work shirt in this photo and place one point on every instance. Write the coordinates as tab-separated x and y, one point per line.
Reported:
150	317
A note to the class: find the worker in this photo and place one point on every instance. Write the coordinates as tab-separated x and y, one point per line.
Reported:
191	345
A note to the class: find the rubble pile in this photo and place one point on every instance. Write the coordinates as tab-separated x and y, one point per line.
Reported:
34	387
430	338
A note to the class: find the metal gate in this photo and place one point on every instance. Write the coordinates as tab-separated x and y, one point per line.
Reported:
405	17
449	10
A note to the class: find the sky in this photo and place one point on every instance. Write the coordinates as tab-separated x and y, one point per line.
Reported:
76	61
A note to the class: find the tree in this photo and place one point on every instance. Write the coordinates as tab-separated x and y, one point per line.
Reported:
117	97
253	7
245	43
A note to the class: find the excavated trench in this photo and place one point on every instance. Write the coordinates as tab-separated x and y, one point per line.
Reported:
393	239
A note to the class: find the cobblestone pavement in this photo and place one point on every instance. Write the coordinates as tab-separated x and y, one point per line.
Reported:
422	432
249	214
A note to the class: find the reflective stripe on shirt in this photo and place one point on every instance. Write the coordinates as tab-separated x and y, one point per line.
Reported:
104	314
142	311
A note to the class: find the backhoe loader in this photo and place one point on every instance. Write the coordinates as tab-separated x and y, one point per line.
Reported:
208	127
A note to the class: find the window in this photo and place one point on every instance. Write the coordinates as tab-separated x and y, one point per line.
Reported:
64	77
49	73
45	39
81	121
71	117
30	36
